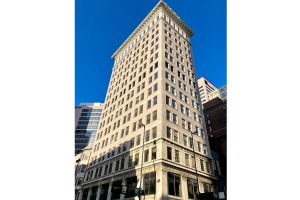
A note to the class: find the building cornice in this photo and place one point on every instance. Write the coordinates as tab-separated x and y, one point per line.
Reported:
168	10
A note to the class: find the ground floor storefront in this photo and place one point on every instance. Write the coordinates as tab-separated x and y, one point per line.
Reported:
159	182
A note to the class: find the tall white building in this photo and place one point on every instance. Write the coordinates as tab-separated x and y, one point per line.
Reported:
153	100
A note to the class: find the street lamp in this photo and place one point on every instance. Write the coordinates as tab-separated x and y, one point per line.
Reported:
140	188
192	133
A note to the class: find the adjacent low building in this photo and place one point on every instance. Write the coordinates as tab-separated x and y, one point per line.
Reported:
215	112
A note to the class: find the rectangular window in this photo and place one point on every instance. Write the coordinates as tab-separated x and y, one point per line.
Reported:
136	159
154	132
117	166
148	119
174	184
132	142
131	186
208	169
149	104
147	136
110	168
155	100
199	146
138	140
176	155
130	160
201	165
175	133
191	142
146	158
168	132
153	155
155	87
150	183
187	159
169	153
168	113
175	119
154	115
192	188
185	140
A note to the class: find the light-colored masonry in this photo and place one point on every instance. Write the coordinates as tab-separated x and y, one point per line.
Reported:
153	82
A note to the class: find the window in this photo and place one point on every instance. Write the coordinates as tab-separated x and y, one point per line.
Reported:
148	119
199	146
192	188
187	161
110	168
132	142
154	115
168	132
208	168
168	113
155	87
201	165
149	91
168	100
130	159
149	104
147	136
136	160
146	158
117	166
176	155
191	142
174	104
154	132
175	119
155	100
131	186
153	155
138	140
150	183
175	133
185	140
155	75
169	153
174	184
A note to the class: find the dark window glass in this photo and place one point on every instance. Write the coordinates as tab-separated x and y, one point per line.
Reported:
149	183
192	188
169	153
131	185
174	184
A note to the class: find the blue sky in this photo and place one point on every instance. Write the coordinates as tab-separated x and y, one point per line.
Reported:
101	26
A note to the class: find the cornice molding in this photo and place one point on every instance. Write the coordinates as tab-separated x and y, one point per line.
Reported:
170	13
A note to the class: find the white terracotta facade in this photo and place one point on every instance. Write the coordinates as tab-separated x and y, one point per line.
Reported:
153	81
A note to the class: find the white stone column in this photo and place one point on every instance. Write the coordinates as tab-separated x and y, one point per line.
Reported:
89	194
109	191
161	184
122	196
80	195
201	186
98	192
184	188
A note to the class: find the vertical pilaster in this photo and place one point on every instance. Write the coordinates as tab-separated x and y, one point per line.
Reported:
122	197
109	191
98	192
184	188
161	186
89	194
80	194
